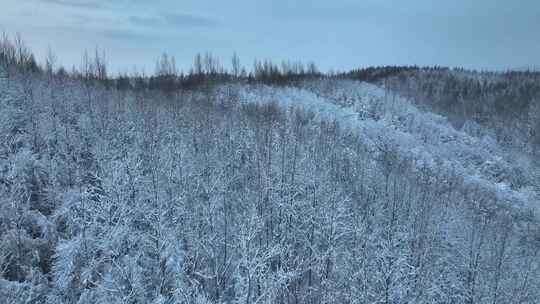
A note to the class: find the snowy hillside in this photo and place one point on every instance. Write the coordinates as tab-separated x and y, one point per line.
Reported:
235	191
428	140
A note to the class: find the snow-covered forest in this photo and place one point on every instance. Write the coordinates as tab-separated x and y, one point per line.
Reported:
271	184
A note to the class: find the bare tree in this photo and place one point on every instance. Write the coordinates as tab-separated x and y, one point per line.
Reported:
236	67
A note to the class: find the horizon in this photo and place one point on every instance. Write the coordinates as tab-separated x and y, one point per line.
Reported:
226	65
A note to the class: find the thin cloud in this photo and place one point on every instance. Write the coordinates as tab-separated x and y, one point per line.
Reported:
172	20
188	20
126	35
76	3
145	21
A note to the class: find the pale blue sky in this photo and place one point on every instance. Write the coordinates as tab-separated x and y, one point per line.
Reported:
339	34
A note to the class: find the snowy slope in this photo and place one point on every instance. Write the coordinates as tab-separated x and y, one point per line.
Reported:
426	139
